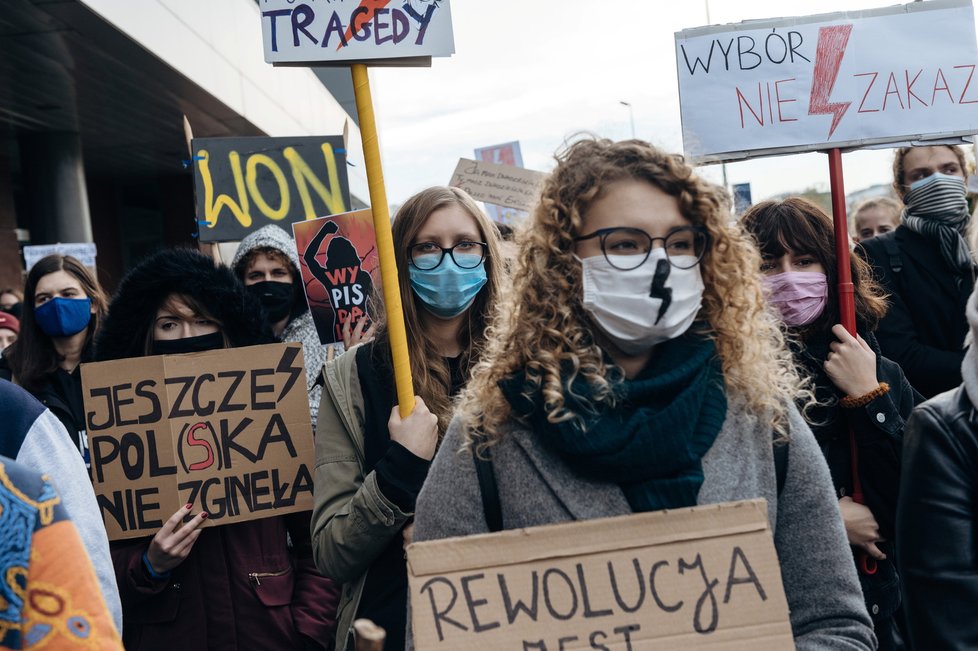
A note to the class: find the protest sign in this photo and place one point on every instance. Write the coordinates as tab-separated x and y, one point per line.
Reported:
242	184
503	185
344	31
227	431
84	252
705	577
508	153
340	270
899	74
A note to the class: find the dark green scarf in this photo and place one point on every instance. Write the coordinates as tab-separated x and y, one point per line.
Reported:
653	441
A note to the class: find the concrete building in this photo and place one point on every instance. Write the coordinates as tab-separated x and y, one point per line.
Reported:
92	94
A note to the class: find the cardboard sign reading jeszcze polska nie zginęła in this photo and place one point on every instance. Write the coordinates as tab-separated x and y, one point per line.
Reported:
227	431
704	577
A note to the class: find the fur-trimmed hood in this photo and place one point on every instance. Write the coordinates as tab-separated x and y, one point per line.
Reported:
177	271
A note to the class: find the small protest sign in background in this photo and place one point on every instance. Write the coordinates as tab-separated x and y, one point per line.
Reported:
851	79
412	31
84	252
706	577
242	184
227	431
503	185
508	153
340	270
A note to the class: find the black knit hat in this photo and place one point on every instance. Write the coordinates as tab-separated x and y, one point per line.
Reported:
177	271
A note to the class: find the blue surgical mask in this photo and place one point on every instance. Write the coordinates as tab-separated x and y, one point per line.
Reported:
448	289
64	317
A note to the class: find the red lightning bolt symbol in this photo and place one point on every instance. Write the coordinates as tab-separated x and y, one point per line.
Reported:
371	6
831	48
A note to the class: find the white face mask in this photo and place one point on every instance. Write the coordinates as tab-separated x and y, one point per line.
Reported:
640	308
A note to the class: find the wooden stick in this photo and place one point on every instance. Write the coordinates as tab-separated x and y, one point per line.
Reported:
368	635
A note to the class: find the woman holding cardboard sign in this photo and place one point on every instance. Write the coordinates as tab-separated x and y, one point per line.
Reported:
251	585
636	369
863	398
369	469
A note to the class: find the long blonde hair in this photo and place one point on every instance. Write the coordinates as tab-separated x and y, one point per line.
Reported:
430	372
542	327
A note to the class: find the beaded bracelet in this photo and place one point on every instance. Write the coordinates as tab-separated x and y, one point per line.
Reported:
851	402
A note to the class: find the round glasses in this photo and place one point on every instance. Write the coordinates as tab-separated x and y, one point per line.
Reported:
628	248
428	255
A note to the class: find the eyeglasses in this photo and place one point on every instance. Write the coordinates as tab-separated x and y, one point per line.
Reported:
628	248
428	255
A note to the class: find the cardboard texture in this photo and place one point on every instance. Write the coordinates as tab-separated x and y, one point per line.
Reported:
811	83
227	430
340	270
351	31
699	578
242	184
503	185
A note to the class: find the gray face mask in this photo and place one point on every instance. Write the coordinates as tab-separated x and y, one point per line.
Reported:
640	308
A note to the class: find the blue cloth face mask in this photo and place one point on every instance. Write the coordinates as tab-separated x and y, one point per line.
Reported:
448	289
64	317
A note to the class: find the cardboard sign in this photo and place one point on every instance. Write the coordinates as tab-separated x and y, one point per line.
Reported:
503	185
508	153
705	577
228	431
84	252
347	31
900	74
242	184
340	270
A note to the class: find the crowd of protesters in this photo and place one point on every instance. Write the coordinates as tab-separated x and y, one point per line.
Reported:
631	349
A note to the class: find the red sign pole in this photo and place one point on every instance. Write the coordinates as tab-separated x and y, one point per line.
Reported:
847	304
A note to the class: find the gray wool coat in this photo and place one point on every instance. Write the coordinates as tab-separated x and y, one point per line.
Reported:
537	488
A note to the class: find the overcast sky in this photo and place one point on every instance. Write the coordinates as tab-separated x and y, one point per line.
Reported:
538	71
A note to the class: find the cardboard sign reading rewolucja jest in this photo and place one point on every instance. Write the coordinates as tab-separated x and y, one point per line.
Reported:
892	75
227	430
340	270
705	577
407	32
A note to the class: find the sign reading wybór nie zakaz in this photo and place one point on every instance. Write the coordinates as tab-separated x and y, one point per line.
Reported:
903	74
403	32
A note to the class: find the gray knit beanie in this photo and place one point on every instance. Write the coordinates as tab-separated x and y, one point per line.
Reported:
272	237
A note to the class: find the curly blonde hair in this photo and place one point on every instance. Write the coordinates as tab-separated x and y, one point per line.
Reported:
542	327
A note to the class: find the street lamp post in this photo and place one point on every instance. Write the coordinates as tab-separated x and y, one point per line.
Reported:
631	115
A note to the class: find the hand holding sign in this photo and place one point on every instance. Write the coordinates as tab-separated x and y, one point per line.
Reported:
172	544
418	431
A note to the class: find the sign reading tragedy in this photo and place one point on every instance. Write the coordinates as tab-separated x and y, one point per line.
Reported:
242	184
901	74
340	270
705	577
328	31
227	431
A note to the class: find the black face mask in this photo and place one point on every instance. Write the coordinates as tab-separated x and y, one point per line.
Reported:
213	341
14	310
275	297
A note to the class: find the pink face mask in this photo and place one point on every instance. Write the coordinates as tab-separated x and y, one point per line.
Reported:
799	295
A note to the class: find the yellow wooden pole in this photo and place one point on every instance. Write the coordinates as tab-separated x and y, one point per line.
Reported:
385	241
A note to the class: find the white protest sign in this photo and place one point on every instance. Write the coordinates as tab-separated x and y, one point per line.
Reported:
893	75
698	578
83	251
502	185
331	31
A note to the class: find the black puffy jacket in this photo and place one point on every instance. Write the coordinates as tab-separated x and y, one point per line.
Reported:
937	523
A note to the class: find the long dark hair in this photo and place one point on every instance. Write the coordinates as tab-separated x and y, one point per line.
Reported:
804	228
32	357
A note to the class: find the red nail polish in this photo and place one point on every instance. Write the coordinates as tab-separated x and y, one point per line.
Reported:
204	515
188	507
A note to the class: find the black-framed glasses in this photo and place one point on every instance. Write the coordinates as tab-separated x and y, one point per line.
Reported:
465	254
628	248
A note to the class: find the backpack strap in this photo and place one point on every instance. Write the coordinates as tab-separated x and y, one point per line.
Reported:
781	465
491	506
892	253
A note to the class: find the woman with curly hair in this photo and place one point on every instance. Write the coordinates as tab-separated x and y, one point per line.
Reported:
863	398
369	469
636	368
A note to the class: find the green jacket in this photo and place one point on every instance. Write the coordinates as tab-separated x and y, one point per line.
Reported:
352	522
